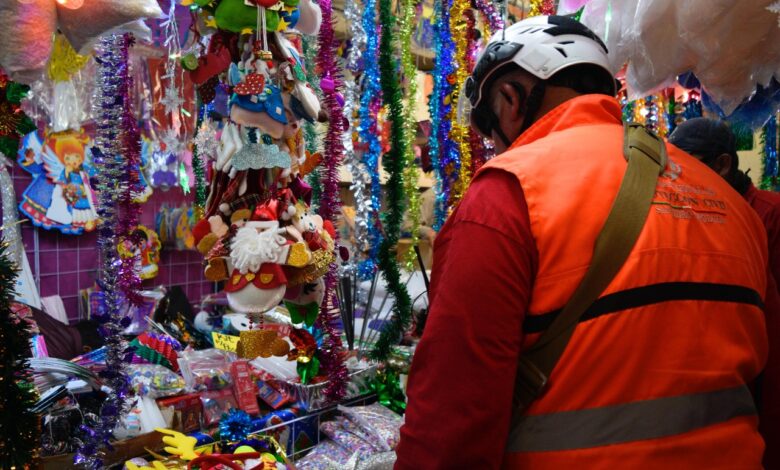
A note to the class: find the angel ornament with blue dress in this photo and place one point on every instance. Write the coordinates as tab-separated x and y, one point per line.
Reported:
60	196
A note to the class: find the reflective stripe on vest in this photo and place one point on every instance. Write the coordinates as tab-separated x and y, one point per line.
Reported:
652	294
616	424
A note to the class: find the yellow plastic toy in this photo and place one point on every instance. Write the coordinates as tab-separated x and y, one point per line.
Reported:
179	444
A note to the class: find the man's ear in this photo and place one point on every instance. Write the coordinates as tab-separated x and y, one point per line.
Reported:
512	98
510	105
722	164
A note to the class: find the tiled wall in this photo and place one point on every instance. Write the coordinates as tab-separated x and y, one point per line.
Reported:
65	264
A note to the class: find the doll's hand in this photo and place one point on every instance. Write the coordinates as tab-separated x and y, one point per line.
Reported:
179	444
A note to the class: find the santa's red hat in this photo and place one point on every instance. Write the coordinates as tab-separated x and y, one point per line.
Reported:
266	212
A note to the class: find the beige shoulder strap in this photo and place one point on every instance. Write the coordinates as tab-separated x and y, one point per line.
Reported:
646	155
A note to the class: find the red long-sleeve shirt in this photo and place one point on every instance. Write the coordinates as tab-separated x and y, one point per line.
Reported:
484	267
473	334
767	205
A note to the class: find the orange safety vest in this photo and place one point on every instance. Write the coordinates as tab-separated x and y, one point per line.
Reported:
656	374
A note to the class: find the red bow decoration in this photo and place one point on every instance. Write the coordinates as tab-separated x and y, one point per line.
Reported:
253	84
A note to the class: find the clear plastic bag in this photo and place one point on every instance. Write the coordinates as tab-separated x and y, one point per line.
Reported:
380	424
207	369
155	381
731	46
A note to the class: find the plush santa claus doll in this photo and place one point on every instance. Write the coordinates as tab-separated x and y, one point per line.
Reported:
257	282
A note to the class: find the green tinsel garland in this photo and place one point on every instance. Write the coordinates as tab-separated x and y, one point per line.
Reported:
19	431
393	163
199	170
310	134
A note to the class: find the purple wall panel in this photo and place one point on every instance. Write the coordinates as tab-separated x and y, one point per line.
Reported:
65	264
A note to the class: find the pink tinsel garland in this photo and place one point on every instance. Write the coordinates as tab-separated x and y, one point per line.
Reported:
331	353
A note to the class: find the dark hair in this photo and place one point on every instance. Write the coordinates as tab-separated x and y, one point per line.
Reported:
706	139
585	79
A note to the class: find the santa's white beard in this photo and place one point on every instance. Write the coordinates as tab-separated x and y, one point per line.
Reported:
250	249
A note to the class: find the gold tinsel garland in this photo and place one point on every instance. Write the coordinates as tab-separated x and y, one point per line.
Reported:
410	175
459	133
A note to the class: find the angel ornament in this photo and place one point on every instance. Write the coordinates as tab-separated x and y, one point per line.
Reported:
59	196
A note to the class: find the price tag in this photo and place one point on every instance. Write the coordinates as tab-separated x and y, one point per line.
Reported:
224	342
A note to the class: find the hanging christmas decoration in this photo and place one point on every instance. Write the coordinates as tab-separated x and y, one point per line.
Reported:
331	354
204	144
360	177
14	123
411	173
491	14
462	26
20	433
369	138
541	7
393	163
769	157
117	155
310	134
439	105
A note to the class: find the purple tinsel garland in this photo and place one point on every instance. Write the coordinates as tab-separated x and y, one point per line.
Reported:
331	353
115	154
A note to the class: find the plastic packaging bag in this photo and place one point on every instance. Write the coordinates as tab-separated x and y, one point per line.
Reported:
731	46
208	369
155	381
379	423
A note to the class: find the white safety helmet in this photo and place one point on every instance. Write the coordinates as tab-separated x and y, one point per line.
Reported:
542	46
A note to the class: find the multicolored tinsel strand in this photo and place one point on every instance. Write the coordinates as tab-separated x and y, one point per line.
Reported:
310	134
441	149
481	149
370	102
769	155
199	169
462	26
20	433
360	177
393	163
542	7
331	352
411	173
116	155
491	14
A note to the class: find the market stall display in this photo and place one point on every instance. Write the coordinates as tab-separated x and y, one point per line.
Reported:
222	205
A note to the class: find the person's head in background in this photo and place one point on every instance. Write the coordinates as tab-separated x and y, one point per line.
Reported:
714	144
531	68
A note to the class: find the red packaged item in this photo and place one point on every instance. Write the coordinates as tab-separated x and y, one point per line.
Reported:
186	411
271	395
215	404
244	387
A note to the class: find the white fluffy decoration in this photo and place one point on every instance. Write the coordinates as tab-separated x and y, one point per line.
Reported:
26	37
731	46
97	17
310	19
27	29
249	249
